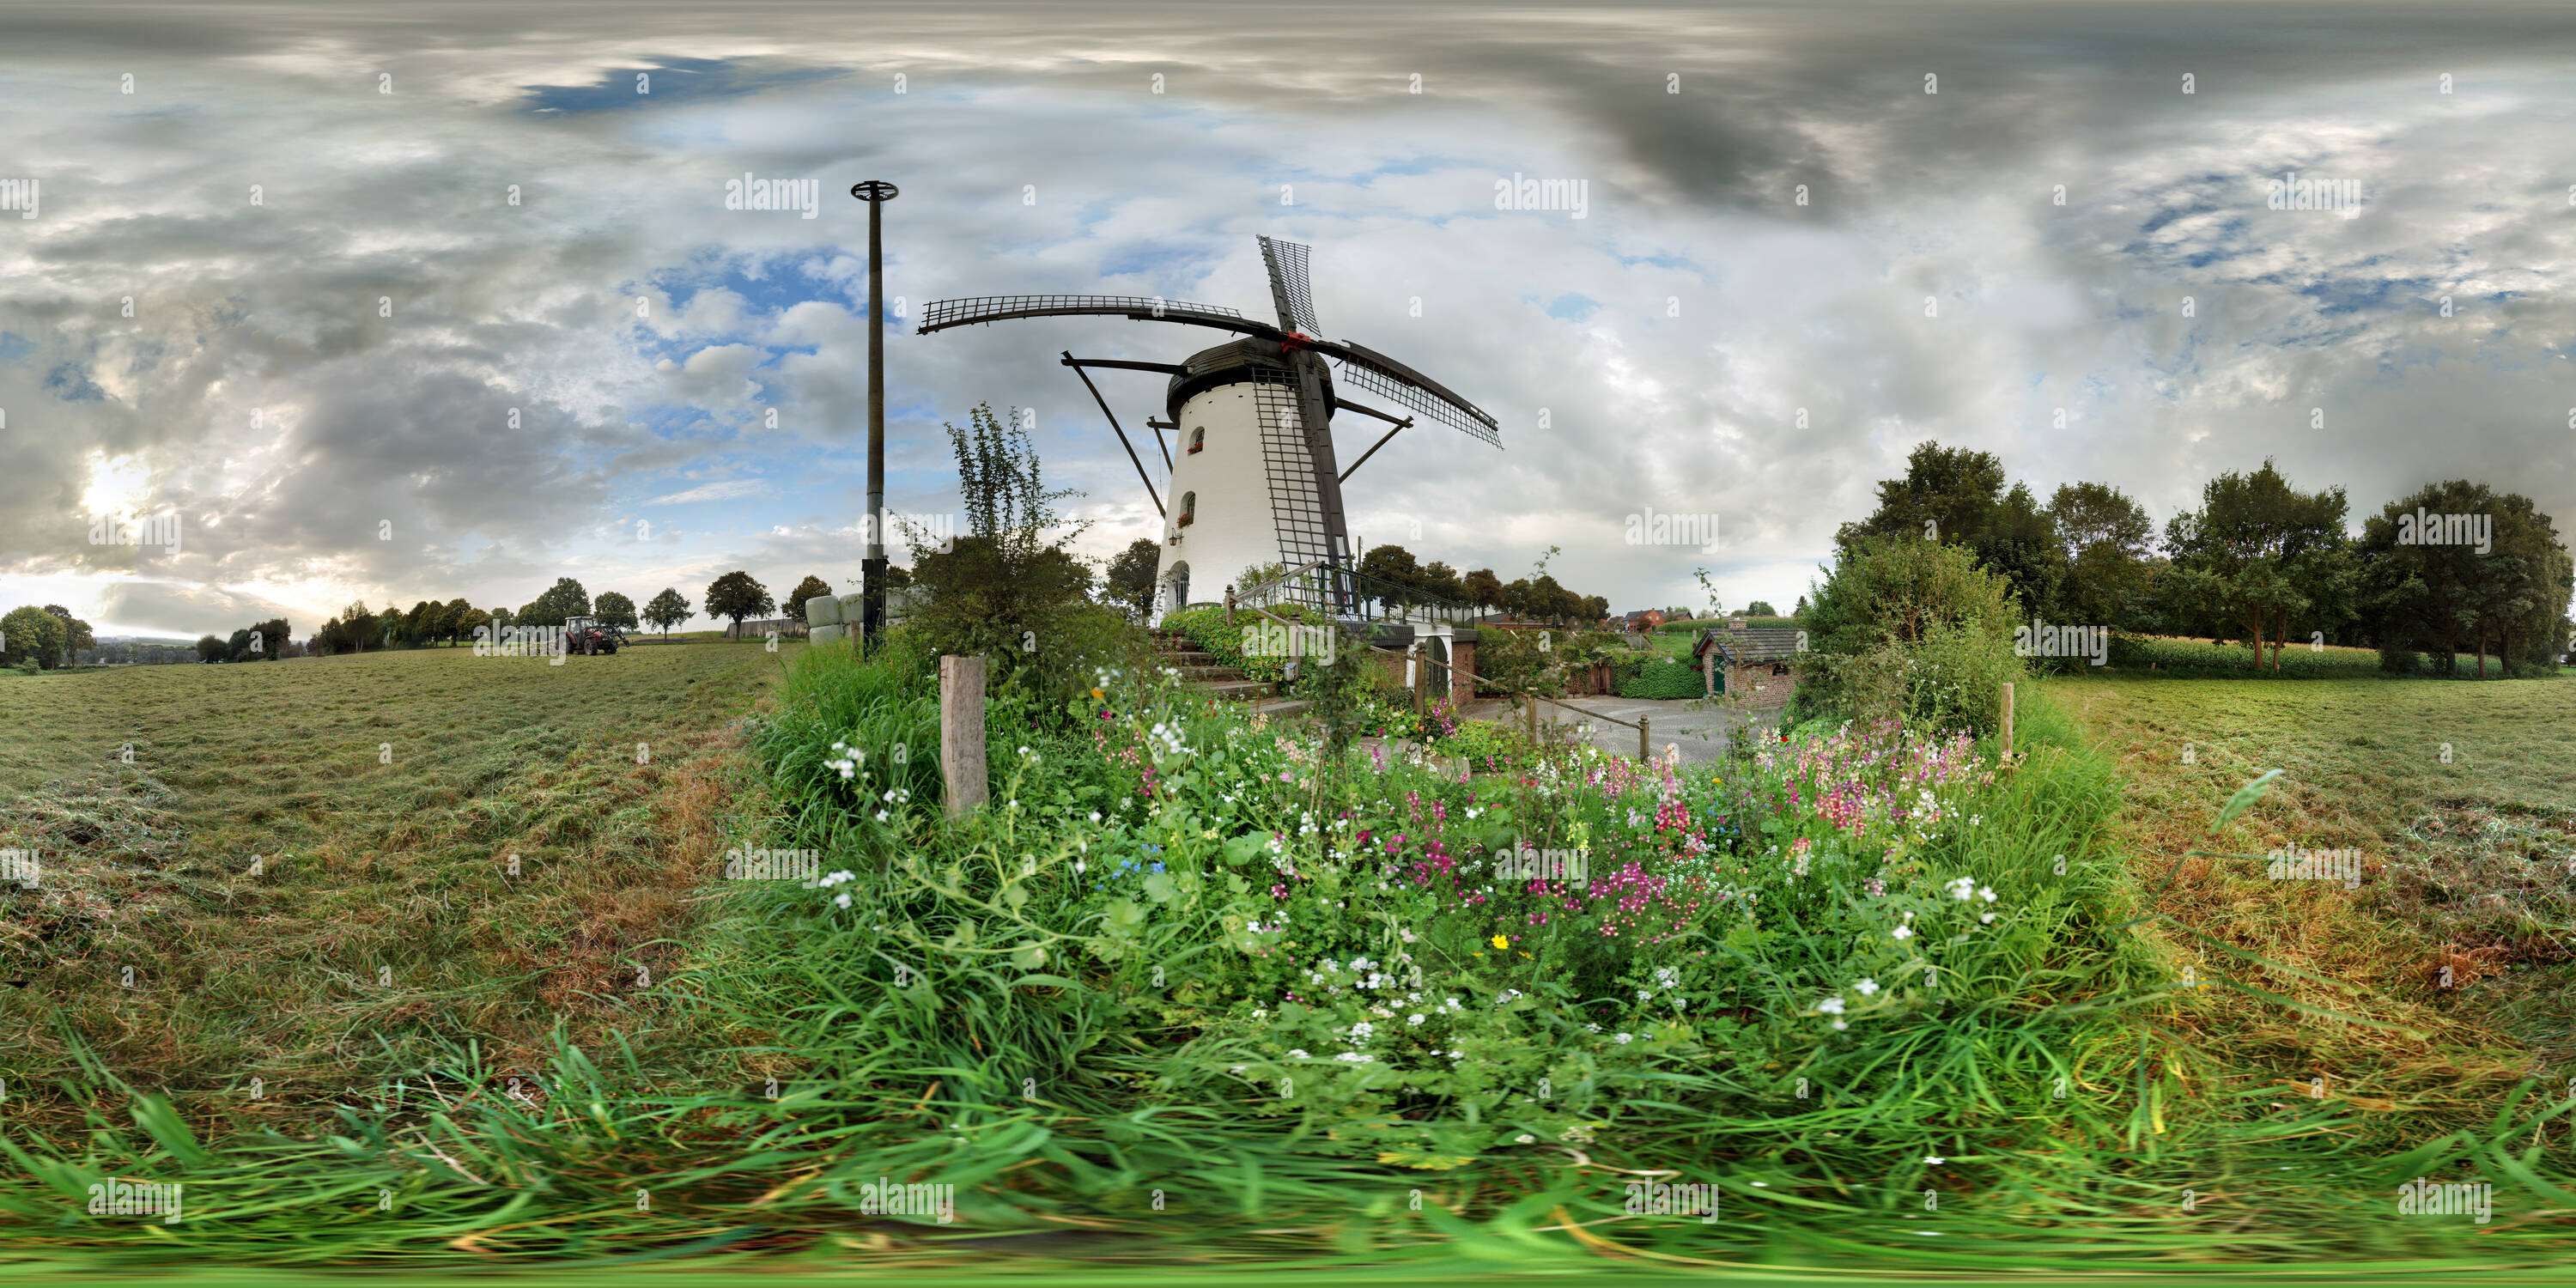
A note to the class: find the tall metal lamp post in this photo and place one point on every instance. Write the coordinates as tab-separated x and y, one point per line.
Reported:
872	569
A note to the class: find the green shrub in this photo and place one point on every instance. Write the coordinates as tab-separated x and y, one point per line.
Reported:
1663	678
1904	628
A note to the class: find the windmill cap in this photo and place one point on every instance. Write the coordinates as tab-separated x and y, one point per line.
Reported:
1243	360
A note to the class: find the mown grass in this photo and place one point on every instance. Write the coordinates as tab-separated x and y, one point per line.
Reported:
2462	800
383	795
905	1034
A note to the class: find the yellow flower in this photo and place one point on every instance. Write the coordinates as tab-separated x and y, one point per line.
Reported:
1500	942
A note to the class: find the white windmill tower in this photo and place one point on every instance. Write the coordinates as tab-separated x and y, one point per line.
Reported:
1256	480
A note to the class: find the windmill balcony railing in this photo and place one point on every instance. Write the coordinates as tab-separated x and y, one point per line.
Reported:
1348	594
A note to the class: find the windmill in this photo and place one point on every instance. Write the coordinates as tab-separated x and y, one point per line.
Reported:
1256	479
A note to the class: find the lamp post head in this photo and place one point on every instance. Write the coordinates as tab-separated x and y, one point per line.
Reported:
873	191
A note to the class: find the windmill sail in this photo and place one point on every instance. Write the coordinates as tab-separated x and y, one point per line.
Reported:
1286	261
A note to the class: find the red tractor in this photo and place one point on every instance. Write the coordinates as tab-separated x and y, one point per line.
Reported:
590	636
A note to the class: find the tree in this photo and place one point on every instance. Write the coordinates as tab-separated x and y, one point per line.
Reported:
667	610
737	596
466	622
1957	496
1801	610
1758	608
76	634
31	635
1131	576
1483	587
1005	589
1440	581
2264	556
273	635
1396	574
615	610
1952	489
352	633
811	588
2106	539
2443	597
562	601
209	648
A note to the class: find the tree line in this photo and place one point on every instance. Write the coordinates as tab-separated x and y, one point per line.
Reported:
2452	568
1401	580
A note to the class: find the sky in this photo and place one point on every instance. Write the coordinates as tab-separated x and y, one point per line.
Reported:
402	302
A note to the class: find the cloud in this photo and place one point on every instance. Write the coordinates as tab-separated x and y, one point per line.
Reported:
727	490
418	366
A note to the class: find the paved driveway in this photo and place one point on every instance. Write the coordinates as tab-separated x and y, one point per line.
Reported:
1700	729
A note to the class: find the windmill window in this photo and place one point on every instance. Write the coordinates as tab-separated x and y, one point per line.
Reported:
1198	439
1189	508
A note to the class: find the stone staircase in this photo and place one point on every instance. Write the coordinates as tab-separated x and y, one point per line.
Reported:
1202	671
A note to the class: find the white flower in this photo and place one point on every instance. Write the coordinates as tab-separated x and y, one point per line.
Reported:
1865	987
1934	1159
1297	1053
1839	1024
1987	918
1522	1139
1413	1019
843	898
1831	1006
1624	1039
1986	893
1904	932
881	816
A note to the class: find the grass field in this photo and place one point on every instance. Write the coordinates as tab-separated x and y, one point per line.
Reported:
2461	798
383	796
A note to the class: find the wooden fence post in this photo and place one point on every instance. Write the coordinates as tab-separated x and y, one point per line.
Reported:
1229	606
1642	753
961	732
2008	723
1531	715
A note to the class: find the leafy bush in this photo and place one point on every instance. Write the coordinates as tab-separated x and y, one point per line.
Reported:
1664	678
1904	628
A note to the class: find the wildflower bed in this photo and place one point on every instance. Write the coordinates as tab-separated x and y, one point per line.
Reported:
1846	978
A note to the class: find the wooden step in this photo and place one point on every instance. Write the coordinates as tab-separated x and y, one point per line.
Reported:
1281	708
1240	690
